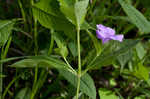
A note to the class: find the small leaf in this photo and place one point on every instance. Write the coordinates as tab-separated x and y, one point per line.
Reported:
61	45
86	85
140	97
107	94
140	50
80	11
136	17
141	72
85	26
6	27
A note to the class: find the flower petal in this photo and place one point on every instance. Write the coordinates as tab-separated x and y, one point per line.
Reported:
117	37
106	30
110	31
101	27
100	34
105	40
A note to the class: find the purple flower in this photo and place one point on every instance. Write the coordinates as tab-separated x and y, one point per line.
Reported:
106	33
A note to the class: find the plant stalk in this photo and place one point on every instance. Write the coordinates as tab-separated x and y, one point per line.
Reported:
1	80
51	43
3	56
36	53
79	62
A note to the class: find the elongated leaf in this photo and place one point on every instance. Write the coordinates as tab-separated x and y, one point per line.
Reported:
136	17
86	85
10	59
23	93
6	27
48	14
41	61
80	11
110	54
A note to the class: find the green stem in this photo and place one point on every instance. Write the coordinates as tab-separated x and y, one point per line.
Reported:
79	62
23	14
39	83
22	11
1	81
35	37
36	52
70	67
7	48
51	43
78	87
1	71
43	75
9	85
3	56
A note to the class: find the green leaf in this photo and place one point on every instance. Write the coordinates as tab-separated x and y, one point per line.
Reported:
41	61
24	93
111	52
140	51
80	11
67	8
73	48
85	26
86	85
48	14
124	58
61	44
6	27
141	72
10	59
140	97
136	17
107	94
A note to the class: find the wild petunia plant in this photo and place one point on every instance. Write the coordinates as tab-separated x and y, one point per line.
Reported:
57	31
